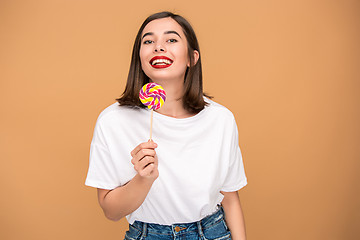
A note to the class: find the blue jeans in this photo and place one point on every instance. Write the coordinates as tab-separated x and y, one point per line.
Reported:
211	227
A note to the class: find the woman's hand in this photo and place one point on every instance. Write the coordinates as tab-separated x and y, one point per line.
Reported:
145	160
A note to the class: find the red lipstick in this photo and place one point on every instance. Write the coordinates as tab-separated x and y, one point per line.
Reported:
160	62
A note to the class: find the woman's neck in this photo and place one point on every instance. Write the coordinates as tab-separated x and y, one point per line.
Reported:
173	106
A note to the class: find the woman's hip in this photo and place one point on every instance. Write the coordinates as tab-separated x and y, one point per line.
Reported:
211	227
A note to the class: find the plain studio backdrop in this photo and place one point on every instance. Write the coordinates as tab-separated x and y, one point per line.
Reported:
288	70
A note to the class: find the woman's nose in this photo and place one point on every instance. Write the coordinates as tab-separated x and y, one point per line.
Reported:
159	48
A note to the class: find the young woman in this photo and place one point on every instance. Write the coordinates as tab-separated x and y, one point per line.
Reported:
184	183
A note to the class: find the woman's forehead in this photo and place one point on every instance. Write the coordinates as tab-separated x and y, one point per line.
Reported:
162	25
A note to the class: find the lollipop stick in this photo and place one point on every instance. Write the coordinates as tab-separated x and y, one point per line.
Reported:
153	96
151	120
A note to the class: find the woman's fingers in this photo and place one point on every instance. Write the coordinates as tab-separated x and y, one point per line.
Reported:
141	154
145	160
148	170
156	160
144	145
141	165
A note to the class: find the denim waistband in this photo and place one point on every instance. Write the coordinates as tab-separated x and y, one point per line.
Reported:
180	228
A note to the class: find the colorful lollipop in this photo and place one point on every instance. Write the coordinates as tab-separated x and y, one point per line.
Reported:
153	96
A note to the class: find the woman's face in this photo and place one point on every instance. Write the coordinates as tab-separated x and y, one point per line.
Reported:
163	51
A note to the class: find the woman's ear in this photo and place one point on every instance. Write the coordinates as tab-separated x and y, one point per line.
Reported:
196	56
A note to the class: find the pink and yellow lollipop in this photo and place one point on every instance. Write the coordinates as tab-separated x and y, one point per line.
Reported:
153	96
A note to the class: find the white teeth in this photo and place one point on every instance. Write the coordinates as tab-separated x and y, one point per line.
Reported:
161	62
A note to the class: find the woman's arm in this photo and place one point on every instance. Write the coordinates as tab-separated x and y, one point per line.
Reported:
234	215
121	201
124	200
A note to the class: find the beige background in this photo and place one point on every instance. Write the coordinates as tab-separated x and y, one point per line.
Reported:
288	70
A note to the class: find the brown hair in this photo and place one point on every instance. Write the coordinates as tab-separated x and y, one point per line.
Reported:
193	87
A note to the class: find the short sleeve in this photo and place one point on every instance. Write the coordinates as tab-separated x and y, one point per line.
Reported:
102	169
235	178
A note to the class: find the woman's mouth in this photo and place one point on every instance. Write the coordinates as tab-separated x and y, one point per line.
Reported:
160	62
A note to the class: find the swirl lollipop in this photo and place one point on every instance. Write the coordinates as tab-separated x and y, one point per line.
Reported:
153	96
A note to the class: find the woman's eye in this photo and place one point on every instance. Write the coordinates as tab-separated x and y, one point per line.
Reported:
172	40
148	42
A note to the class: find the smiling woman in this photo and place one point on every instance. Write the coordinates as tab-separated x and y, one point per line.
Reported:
153	38
164	54
184	185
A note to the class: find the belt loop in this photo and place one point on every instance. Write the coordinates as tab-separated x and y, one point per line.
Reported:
143	236
201	234
222	210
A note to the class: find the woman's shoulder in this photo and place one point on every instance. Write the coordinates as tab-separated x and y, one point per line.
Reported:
218	109
115	110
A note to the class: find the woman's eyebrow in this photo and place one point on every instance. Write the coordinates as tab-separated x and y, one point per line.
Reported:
166	32
146	34
169	32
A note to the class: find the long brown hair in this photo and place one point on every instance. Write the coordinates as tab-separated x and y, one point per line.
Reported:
193	86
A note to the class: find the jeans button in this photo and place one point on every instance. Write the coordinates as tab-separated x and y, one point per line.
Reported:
177	228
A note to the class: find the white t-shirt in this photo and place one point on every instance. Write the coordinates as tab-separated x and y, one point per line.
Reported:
198	156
